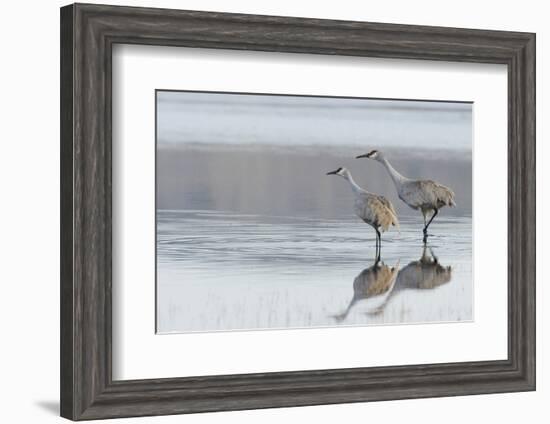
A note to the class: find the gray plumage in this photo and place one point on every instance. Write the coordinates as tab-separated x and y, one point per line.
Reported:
425	195
373	209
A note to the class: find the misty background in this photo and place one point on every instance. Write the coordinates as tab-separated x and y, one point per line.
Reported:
268	154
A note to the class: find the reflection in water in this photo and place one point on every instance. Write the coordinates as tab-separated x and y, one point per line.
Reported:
375	286
425	273
371	289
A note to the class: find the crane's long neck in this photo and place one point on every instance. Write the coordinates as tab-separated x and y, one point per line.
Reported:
354	186
397	178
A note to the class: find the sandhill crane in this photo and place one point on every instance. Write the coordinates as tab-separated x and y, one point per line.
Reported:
426	195
372	287
375	210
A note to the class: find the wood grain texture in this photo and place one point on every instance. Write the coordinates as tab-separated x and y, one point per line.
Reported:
66	211
88	33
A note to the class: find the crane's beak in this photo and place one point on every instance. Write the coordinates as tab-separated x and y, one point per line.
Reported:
366	155
333	172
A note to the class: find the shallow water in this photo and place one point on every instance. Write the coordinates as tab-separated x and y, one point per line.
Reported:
221	271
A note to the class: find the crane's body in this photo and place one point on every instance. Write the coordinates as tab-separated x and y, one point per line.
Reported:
425	195
373	209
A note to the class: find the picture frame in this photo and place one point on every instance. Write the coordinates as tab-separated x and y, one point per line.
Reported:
88	33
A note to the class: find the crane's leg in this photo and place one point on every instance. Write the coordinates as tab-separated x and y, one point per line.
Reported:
379	239
377	248
424	212
428	224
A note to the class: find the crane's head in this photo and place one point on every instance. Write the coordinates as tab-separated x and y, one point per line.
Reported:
343	172
373	154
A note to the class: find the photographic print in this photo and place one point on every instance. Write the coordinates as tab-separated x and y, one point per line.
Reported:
283	211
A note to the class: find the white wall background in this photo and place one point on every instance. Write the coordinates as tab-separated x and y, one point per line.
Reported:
29	224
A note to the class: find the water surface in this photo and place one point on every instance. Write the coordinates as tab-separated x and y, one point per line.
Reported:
228	271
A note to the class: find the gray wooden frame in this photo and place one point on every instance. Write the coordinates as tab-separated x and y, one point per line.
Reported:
88	33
